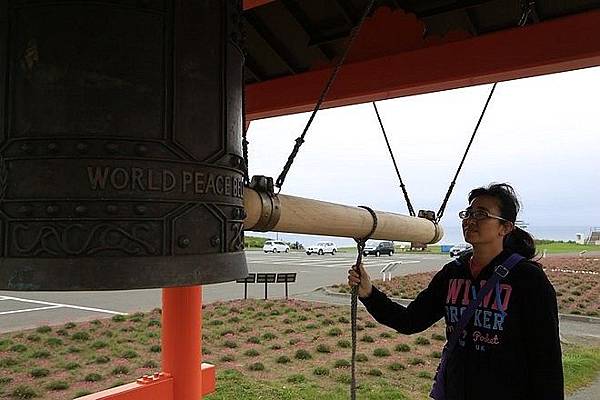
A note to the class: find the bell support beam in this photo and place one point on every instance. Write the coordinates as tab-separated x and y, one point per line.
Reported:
283	213
556	45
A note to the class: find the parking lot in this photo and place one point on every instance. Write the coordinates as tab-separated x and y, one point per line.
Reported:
21	310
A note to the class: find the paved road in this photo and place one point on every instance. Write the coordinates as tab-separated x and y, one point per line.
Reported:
22	310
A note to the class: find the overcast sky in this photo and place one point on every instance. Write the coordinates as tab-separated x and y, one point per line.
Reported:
540	134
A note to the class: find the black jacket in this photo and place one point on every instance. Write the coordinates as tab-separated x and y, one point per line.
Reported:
512	356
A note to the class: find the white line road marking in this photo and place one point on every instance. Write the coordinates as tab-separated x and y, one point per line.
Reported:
28	310
100	310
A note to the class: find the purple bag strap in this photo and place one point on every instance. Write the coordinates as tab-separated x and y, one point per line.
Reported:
499	272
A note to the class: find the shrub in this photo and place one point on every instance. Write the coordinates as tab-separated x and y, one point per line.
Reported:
288	331
269	336
24	392
43	329
367	339
343	320
54	341
93	377
370	324
296	378
58	385
39	372
381	352
96	322
402	347
41	354
437	336
82	393
71	366
102	360
375	372
81	336
18	348
345	379
150	364
416	361
344	344
323	348
206	351
293	341
154	322
422	341
227	332
425	374
70	325
436	354
275	347
253	339
283	360
385	335
155	348
34	338
7	362
128	354
328	321
334	332
251	353
341	363
256	367
311	326
120	370
5	380
302	318
302	355
227	358
244	329
230	344
118	318
360	357
234	320
73	350
62	332
397	366
99	344
321	371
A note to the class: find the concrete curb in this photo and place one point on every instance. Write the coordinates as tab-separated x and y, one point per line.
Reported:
568	317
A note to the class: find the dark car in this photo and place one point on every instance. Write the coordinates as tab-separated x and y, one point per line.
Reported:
379	249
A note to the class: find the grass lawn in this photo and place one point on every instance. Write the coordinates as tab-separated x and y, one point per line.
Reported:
268	350
563	247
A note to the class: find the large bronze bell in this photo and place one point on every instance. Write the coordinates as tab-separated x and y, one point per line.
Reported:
121	163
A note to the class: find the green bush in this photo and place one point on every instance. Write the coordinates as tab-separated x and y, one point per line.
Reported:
227	332
381	352
341	363
375	372
323	348
437	336
93	377
253	339
343	320
425	374
57	385
5	380
71	366
436	354
422	341
98	344
7	362
283	360
41	354
227	358
296	378
360	357
43	329
344	344
321	371
294	341
416	361
155	348
311	326
256	367
402	347
81	393
120	370
154	322
70	325
128	354
334	332
54	342
370	324
118	318
62	332
275	347
24	392
269	336
367	339
39	372
230	344
150	364
102	360
385	335
397	366
328	321
81	336
18	348
251	353
34	338
302	355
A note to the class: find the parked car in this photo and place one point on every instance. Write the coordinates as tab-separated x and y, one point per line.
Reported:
456	250
272	246
322	248
379	248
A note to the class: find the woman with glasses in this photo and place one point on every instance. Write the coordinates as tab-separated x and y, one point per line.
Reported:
510	347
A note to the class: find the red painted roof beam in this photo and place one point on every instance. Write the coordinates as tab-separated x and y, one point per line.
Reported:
553	46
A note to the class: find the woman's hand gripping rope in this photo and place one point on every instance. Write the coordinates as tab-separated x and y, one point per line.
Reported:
358	277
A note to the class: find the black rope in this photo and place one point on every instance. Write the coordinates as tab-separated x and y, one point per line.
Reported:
440	213
324	92
360	247
411	211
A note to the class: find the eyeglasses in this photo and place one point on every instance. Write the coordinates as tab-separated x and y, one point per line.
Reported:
478	215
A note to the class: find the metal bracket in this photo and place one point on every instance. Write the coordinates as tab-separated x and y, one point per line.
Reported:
270	204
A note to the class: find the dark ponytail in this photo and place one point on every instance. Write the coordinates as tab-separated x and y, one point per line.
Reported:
518	241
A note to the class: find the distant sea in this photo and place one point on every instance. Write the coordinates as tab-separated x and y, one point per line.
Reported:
452	235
